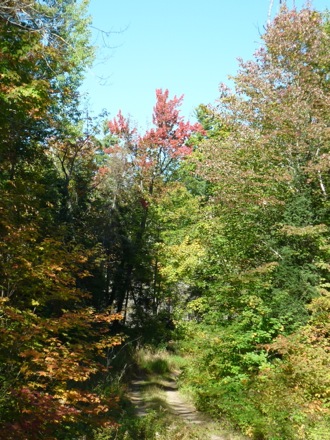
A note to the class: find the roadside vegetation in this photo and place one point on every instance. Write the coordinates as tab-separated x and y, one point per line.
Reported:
199	250
154	407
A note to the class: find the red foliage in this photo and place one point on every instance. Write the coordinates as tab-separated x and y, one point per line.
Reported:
162	144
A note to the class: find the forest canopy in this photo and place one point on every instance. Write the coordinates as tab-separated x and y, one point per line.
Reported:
212	237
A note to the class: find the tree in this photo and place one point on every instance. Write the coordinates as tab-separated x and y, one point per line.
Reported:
44	52
270	170
268	175
53	342
148	163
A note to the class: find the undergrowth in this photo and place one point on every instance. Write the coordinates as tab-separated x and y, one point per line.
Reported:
156	425
283	399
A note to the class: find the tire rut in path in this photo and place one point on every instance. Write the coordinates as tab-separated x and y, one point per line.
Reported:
175	404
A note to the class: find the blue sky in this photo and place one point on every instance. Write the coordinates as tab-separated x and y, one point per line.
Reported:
186	46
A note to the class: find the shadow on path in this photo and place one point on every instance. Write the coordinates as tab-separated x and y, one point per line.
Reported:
150	394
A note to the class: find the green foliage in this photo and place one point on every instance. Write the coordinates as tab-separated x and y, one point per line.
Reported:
216	233
210	121
153	426
259	293
53	342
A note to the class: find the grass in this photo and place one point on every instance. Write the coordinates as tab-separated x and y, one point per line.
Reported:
156	362
156	425
158	368
155	371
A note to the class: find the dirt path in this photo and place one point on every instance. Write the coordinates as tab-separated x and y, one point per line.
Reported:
163	395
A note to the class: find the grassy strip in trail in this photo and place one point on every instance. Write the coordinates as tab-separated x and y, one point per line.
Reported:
157	423
153	417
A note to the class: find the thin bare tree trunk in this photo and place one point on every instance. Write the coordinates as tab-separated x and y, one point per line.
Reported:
270	11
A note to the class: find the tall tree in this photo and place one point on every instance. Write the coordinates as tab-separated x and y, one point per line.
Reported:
148	161
46	175
269	183
44	52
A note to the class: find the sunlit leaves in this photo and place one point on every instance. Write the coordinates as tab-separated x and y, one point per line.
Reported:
52	342
49	360
155	153
262	346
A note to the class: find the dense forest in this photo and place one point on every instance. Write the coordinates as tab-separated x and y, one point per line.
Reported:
210	239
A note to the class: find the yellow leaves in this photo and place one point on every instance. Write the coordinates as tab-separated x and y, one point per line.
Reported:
56	268
108	342
25	369
182	259
81	258
302	231
265	268
108	317
198	305
31	353
323	265
84	274
54	357
316	406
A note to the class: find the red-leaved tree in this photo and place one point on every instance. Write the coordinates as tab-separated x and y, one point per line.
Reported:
147	163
